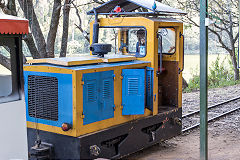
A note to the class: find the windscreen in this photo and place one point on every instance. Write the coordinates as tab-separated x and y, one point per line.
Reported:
125	40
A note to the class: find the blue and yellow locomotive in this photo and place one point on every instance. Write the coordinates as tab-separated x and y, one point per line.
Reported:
109	105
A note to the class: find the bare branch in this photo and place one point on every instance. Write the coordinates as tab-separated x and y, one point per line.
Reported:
220	40
220	6
236	38
99	1
85	4
80	24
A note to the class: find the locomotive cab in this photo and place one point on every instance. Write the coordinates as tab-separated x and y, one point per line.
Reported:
156	40
128	90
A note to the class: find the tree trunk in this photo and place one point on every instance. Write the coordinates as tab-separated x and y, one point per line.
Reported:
66	11
4	61
10	8
53	28
235	66
29	13
184	83
232	42
31	46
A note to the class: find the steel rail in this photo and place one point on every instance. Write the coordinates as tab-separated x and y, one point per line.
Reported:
213	106
210	120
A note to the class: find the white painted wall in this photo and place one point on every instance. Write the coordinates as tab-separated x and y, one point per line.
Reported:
13	131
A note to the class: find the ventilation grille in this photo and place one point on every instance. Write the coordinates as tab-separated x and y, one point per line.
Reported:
106	89
133	85
149	83
91	92
43	97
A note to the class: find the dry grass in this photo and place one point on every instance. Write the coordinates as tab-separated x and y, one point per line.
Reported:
192	64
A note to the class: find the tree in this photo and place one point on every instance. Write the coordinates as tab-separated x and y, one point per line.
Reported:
37	45
225	15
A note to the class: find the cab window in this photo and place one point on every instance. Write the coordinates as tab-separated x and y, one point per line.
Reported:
125	40
166	40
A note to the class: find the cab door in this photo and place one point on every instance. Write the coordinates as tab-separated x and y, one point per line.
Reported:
170	65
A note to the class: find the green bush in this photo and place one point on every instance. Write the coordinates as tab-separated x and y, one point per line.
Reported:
218	76
194	82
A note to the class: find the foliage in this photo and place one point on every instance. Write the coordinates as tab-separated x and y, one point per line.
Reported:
219	76
194	82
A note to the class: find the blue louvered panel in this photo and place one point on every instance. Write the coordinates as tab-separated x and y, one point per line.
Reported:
149	89
90	97
106	94
133	91
98	96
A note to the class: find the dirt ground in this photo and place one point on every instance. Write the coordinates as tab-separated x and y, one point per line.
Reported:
223	139
225	146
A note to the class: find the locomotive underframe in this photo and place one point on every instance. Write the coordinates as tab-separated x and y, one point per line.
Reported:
114	142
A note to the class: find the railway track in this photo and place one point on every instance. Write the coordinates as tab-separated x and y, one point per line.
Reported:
192	120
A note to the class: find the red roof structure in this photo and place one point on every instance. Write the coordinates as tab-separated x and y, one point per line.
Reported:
13	25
